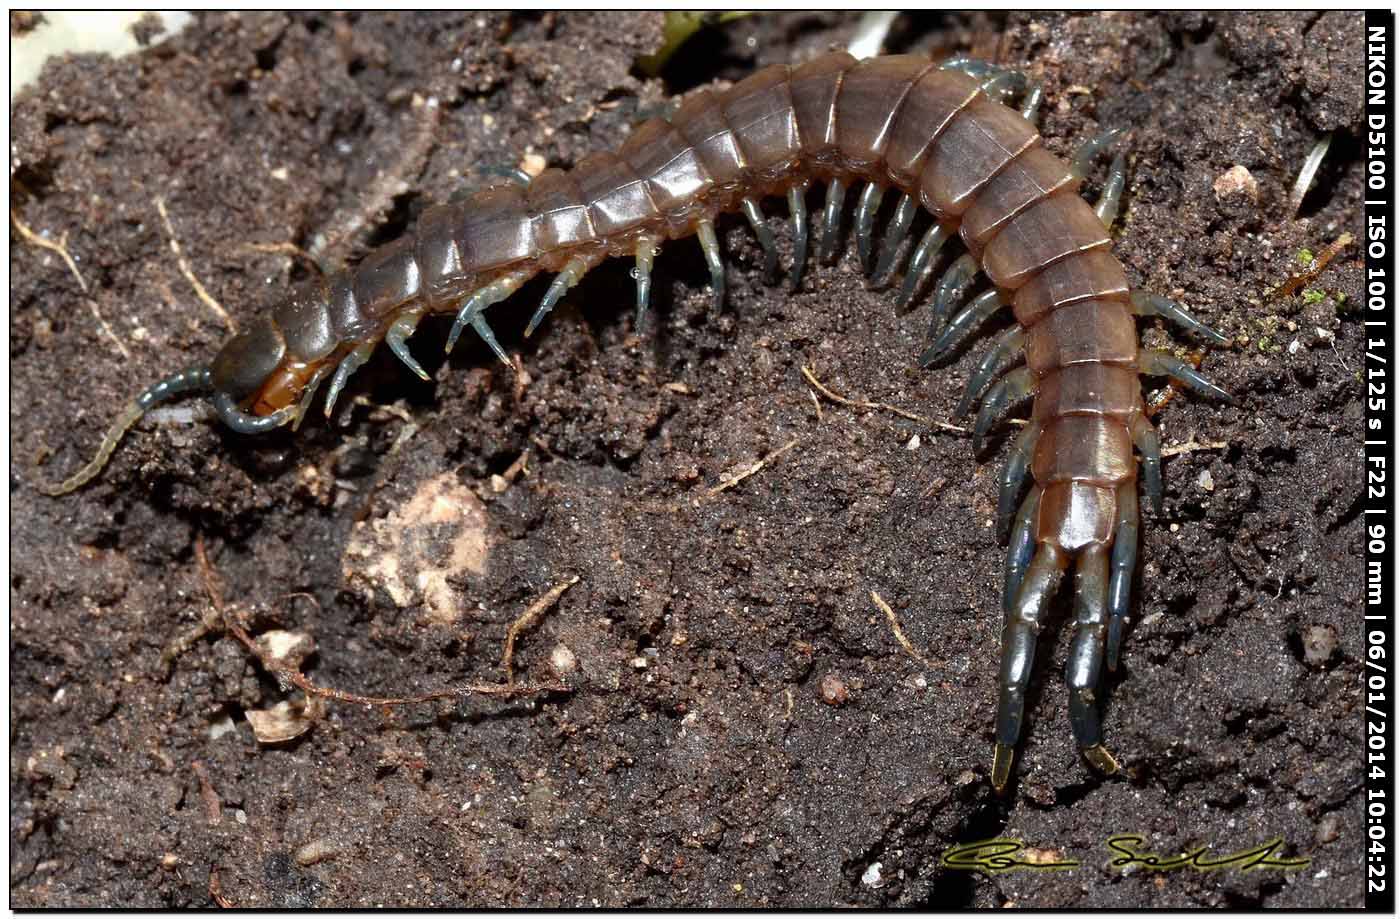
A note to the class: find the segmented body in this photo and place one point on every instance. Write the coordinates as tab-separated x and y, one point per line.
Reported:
937	135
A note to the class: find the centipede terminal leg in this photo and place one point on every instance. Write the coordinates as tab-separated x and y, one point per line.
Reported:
1085	663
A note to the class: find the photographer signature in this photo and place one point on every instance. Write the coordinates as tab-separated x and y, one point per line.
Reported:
995	856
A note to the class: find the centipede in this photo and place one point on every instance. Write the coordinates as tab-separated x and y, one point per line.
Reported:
955	138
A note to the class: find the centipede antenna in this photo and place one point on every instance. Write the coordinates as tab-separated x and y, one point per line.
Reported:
797	206
645	255
709	244
894	236
572	272
866	208
193	379
921	265
765	239
831	220
397	339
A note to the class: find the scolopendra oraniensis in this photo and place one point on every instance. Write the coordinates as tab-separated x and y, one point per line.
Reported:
937	134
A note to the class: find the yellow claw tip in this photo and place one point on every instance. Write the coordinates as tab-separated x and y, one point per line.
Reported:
1102	760
1002	756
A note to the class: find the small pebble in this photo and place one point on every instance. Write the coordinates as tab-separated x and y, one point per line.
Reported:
316	850
1319	641
563	660
1328	829
1235	183
1206	480
833	690
871	877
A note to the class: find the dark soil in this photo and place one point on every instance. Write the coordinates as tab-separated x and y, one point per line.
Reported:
741	726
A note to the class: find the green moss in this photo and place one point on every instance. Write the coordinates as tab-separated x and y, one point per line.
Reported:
1305	256
1313	296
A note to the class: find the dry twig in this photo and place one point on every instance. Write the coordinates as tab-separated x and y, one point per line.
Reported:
898	632
1314	268
526	620
879	406
1193	446
61	247
724	486
188	272
294	677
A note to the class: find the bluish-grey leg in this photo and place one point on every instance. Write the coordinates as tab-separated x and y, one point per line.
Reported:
1146	304
894	237
801	232
572	272
348	365
396	337
1019	550
1013	479
1162	364
921	265
709	244
1011	390
866	208
1085	663
765	239
831	220
1018	641
963	325
951	288
1120	579
1090	149
1004	350
1107	206
1149	445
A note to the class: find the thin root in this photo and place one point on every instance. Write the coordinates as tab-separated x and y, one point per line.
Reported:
295	677
213	808
188	272
1193	447
216	892
61	248
1309	274
725	486
879	406
898	632
528	619
291	250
